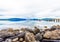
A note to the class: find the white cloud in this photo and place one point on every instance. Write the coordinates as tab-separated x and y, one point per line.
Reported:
39	8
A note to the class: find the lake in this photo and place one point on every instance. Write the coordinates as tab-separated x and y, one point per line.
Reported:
31	24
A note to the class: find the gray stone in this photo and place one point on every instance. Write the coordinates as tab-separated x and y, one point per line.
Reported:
38	36
8	40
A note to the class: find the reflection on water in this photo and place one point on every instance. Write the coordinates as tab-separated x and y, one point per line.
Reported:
19	24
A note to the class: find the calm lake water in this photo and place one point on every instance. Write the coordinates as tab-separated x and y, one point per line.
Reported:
19	24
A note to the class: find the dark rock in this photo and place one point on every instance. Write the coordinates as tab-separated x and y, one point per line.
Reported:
1	39
30	30
21	35
38	37
36	30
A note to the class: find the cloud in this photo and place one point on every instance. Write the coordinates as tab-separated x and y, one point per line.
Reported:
25	8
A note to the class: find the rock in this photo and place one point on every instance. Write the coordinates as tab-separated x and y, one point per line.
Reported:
58	26
24	41
1	39
45	27
6	34
37	41
52	34
55	27
30	30
36	30
21	39
55	34
29	37
47	34
21	35
16	30
8	40
24	35
10	30
15	39
22	29
38	36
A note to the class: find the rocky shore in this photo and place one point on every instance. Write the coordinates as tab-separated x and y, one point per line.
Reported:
30	35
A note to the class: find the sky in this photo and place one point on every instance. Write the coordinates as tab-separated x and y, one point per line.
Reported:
30	8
